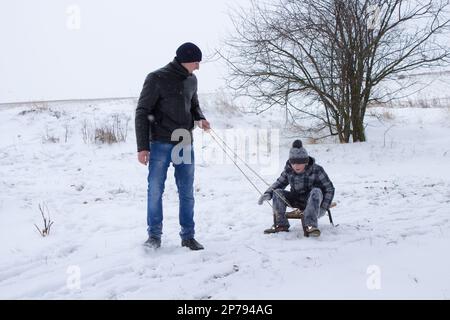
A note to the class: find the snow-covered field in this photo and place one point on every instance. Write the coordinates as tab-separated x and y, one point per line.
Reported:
393	195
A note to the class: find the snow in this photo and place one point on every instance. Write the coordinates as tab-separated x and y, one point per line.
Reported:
393	195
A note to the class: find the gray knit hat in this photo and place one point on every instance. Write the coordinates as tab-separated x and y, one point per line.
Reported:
298	154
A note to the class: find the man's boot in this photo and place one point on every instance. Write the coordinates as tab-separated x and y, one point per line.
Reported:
153	243
192	244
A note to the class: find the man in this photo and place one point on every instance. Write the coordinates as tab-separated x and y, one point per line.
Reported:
311	191
168	103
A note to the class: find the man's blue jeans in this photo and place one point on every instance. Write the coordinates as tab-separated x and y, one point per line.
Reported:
160	159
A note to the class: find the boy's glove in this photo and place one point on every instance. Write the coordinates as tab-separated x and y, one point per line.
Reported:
264	197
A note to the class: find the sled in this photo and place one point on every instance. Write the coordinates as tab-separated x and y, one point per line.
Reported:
298	214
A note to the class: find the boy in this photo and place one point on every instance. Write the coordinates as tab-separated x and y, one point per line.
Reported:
311	191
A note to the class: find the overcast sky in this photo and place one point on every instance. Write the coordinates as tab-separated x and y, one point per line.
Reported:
59	49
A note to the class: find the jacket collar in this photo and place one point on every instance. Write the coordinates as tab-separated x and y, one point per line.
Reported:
175	67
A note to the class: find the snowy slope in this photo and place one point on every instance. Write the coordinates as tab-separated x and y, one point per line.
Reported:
393	195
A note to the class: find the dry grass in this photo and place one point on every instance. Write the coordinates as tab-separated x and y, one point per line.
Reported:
415	103
106	134
114	130
36	108
49	138
226	105
387	115
312	140
41	108
87	132
45	230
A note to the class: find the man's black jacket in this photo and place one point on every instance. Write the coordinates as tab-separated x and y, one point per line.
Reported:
168	101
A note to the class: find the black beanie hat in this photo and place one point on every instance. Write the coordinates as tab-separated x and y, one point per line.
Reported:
188	52
298	154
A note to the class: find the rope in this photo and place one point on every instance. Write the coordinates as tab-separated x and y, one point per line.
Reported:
251	169
237	166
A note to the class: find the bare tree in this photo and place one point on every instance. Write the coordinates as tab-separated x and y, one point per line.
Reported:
330	59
